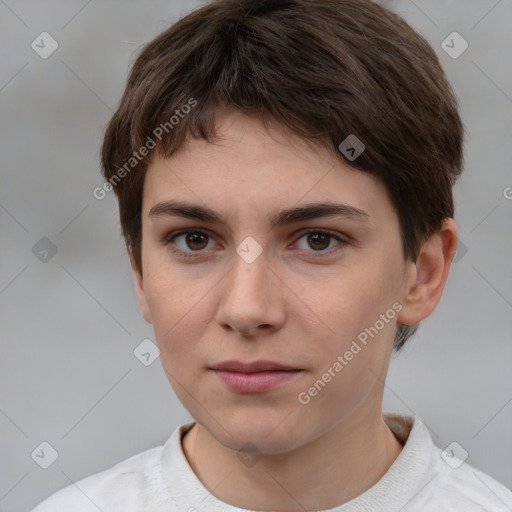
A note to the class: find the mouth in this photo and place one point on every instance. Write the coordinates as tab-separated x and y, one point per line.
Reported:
254	367
254	377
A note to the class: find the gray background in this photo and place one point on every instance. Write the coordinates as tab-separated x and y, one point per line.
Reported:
70	325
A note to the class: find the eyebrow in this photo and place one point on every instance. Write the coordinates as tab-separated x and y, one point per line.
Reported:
284	217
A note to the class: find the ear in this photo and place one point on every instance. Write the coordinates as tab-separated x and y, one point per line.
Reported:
139	288
426	278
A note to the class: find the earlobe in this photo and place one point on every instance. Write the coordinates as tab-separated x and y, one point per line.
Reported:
139	288
427	276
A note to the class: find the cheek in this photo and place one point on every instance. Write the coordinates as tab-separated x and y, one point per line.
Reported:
348	364
349	301
351	309
176	306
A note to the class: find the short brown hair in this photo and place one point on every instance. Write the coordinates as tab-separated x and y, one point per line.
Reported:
324	68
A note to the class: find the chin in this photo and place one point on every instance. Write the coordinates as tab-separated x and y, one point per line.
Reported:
260	433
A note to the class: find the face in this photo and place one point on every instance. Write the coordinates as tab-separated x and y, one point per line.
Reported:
299	292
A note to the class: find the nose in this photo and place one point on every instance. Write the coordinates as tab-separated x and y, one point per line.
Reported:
251	298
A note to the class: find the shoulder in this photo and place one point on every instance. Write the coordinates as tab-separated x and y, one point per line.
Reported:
125	486
428	479
468	487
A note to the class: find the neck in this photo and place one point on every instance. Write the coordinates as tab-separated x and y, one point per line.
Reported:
325	473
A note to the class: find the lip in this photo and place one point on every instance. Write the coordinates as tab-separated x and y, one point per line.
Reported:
255	377
255	366
255	382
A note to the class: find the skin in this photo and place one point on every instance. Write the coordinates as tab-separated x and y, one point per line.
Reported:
286	306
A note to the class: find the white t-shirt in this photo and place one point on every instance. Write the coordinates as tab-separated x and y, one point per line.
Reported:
161	480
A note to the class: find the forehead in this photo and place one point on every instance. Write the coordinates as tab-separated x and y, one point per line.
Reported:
260	169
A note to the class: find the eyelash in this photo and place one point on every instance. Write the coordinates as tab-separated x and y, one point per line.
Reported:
196	254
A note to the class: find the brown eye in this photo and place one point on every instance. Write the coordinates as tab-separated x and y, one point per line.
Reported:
196	240
188	243
319	241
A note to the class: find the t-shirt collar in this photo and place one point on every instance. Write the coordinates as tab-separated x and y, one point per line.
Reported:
412	470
